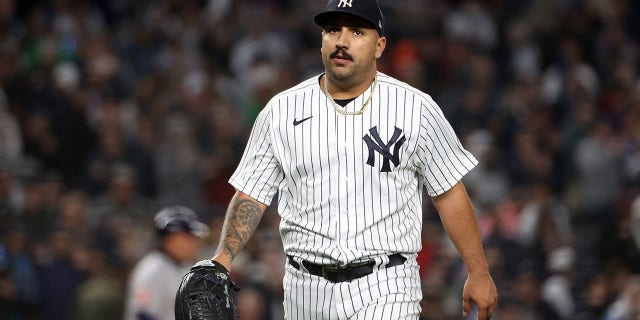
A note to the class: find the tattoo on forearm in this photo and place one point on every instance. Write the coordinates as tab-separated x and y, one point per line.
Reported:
243	216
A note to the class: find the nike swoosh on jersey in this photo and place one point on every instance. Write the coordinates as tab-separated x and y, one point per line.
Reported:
297	122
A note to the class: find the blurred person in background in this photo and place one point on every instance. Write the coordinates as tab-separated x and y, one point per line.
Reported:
125	214
598	189
594	299
529	293
114	148
627	304
36	216
60	275
73	215
180	164
488	183
102	295
154	281
19	290
10	134
10	193
557	287
225	139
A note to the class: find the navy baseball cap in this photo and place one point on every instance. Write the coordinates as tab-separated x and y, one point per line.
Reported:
365	9
179	219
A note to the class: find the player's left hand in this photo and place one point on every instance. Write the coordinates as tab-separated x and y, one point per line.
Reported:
480	290
205	293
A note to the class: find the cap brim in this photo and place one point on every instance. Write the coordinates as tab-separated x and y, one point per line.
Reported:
321	18
198	229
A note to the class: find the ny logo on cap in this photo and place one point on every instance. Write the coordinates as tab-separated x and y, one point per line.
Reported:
345	3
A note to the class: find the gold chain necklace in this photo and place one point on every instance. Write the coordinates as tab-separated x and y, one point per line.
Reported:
341	109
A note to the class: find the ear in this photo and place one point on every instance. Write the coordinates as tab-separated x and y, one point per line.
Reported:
381	44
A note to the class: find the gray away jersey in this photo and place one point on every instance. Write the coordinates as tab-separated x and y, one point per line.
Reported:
152	287
350	186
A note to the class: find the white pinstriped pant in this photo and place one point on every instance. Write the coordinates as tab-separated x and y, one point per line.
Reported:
392	293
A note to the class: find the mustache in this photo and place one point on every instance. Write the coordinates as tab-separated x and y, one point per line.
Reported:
342	52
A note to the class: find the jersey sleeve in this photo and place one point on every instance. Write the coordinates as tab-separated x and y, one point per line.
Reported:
259	173
443	159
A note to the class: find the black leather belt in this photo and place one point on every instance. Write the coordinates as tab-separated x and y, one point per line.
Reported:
348	273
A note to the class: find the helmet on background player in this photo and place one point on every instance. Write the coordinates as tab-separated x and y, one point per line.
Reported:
179	219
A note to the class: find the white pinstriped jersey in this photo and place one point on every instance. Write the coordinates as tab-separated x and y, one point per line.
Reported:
350	186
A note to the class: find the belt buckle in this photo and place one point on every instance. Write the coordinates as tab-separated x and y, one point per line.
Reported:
329	268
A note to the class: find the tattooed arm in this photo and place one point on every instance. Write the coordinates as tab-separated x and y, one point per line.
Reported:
243	216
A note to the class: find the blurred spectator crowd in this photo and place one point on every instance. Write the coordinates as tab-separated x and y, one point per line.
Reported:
111	109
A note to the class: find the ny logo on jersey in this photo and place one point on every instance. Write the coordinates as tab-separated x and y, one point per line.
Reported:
376	144
345	3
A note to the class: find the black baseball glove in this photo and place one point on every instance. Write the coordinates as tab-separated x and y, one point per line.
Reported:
205	293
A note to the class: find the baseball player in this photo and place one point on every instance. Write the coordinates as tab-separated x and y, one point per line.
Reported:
155	279
348	152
